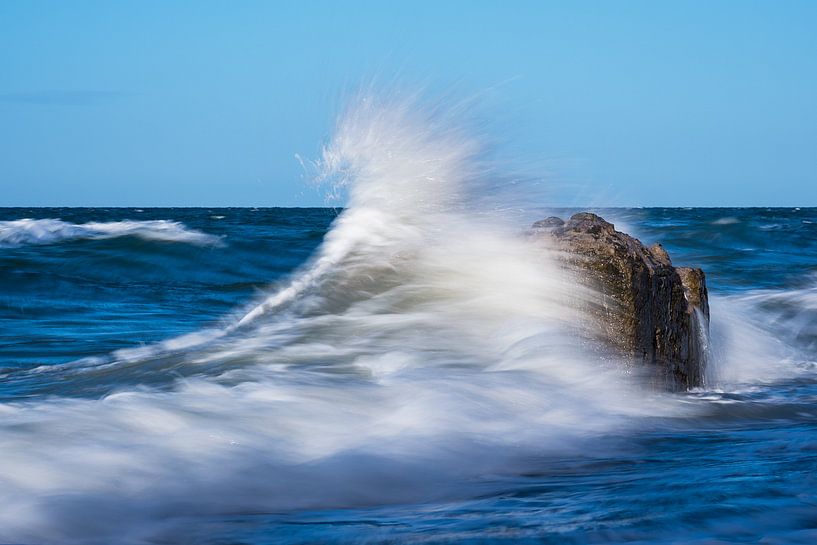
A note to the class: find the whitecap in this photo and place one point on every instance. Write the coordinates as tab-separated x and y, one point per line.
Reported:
23	232
726	221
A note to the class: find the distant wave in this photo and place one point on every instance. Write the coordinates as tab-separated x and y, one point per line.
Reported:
28	231
726	221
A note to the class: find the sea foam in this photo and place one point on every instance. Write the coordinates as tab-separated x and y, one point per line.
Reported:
28	231
424	350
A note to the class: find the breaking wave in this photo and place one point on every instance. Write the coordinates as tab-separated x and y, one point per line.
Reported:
28	231
423	350
764	335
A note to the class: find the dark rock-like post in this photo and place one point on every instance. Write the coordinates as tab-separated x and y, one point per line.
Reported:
648	311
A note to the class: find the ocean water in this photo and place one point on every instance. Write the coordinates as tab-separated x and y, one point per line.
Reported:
408	369
347	418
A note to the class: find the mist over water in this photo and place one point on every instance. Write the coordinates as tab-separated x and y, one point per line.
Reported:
414	349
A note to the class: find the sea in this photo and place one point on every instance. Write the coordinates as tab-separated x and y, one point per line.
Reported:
410	364
375	374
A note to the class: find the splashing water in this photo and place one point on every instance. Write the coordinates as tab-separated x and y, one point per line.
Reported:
424	349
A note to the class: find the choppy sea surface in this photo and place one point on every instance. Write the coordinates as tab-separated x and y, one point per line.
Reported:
259	376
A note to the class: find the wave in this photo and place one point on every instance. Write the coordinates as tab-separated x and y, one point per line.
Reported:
23	232
765	335
424	347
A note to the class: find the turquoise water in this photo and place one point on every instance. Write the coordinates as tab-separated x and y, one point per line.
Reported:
383	399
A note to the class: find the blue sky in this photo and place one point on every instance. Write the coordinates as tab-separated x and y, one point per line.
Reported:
207	103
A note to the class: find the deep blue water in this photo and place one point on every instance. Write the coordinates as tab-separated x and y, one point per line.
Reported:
742	468
93	296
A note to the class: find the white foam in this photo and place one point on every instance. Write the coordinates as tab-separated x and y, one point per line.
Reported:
726	221
762	336
28	231
425	345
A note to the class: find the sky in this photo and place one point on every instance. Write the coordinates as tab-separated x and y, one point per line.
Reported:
626	103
